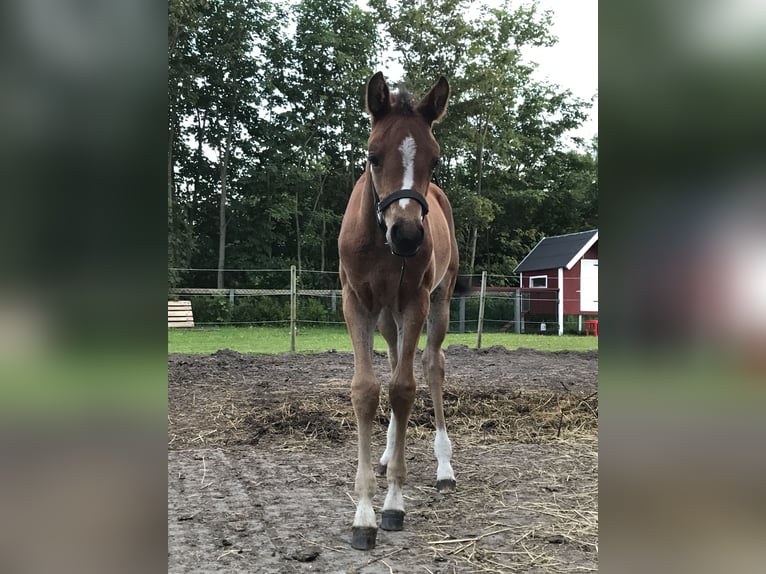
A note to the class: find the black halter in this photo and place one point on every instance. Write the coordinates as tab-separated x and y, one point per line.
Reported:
381	206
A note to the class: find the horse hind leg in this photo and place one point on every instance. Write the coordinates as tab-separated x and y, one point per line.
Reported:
433	369
390	331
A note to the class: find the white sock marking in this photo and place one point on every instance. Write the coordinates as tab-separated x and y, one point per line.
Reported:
364	487
365	514
408	149
394	498
389	441
443	452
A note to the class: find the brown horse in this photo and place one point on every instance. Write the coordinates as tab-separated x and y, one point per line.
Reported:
398	266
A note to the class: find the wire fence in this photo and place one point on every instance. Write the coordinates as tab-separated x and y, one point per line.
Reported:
492	303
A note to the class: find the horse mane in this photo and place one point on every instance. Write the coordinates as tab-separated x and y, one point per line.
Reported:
402	102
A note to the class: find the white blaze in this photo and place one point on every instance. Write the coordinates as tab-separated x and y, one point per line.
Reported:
408	149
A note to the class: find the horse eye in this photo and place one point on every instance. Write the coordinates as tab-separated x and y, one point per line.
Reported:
374	160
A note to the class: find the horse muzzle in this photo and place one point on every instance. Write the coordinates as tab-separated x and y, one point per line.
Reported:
406	237
406	234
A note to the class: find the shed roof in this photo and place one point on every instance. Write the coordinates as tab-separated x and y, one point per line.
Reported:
558	251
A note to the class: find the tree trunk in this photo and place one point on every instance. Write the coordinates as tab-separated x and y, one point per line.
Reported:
297	233
222	205
321	245
479	171
171	186
474	235
195	198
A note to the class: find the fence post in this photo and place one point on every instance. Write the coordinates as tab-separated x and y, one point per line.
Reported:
560	295
517	312
481	307
461	314
231	296
293	306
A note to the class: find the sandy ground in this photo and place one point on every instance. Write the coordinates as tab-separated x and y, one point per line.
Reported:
262	459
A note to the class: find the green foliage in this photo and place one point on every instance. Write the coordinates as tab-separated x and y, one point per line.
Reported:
263	310
497	312
289	79
311	309
211	310
260	309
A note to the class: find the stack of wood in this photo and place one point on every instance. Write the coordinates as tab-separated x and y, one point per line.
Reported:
180	314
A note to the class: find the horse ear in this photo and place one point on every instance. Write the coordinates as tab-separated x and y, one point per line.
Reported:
433	106
378	101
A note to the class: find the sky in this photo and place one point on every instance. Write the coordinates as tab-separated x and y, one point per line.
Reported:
573	62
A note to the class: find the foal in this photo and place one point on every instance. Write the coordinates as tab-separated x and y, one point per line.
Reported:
398	265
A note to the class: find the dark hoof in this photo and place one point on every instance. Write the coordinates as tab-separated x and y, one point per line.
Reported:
446	485
380	469
392	520
363	538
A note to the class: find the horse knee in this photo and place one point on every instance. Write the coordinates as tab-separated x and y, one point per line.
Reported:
402	396
364	397
433	366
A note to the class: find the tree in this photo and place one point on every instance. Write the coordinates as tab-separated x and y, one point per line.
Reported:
267	129
503	126
183	18
325	124
216	84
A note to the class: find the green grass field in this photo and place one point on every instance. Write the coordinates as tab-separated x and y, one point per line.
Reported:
272	340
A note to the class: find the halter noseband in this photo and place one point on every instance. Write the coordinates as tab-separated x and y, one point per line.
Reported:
381	206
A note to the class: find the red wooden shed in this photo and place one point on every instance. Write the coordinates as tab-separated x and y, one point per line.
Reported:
568	265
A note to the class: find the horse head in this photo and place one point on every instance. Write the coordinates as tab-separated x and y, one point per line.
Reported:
402	157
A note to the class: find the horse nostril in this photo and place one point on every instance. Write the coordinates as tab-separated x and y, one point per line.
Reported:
395	232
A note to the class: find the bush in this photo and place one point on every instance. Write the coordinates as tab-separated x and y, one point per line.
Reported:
266	309
261	309
312	309
211	309
497	312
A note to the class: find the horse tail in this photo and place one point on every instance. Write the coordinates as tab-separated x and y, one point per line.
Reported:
462	285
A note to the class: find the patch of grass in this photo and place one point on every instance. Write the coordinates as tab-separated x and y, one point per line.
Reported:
313	339
78	383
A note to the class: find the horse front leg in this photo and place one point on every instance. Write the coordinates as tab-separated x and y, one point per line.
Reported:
402	397
365	393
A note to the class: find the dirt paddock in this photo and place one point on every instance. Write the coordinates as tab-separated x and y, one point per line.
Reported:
262	459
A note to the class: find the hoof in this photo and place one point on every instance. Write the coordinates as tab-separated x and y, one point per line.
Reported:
363	538
380	469
446	485
392	520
